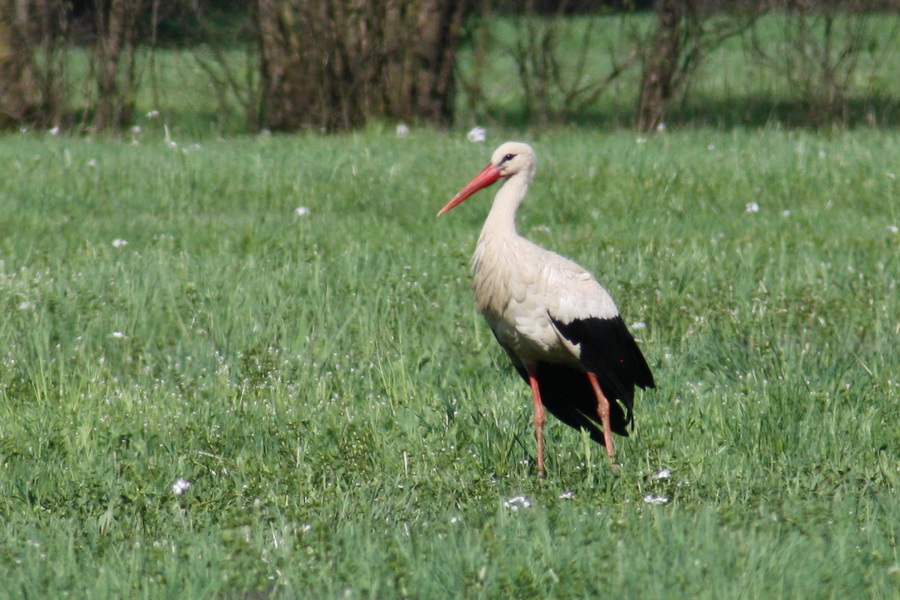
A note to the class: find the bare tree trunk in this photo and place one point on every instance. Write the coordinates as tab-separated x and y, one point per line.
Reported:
301	63
32	35
425	36
114	62
687	32
332	64
659	80
18	101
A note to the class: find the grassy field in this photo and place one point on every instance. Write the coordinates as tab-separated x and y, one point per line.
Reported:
251	366
349	427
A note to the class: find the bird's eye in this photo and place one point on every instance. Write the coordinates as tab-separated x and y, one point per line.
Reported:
507	158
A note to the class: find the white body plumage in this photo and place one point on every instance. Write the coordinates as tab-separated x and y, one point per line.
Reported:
559	326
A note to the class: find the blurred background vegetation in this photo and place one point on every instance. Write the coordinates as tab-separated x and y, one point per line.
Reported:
336	65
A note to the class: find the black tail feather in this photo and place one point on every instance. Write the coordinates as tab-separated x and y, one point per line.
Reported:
609	352
567	394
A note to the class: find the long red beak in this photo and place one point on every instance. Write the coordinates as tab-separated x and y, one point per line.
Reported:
488	175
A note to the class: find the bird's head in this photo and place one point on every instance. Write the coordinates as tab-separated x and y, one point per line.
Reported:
511	158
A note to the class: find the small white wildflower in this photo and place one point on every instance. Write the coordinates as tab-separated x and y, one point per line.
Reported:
306	528
641	140
119	243
661	127
654	499
477	135
402	130
664	473
639	325
180	486
54	131
136	129
752	207
567	495
301	211
169	141
517	502
92	162
454	520
152	114
785	213
711	147
117	334
24	305
893	228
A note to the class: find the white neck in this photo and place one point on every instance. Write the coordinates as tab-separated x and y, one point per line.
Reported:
501	221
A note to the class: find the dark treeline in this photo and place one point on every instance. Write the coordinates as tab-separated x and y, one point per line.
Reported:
333	65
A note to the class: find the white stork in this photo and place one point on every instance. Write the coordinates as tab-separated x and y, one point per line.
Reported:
559	326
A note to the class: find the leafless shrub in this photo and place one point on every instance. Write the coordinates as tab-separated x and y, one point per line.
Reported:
561	76
233	76
829	52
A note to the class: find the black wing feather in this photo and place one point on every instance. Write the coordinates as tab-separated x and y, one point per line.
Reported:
609	352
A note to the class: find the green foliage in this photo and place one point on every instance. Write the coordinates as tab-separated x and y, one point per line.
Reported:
348	425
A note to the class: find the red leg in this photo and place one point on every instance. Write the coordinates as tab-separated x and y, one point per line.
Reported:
603	413
538	417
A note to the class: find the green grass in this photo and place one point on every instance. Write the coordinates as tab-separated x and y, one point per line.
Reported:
349	426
